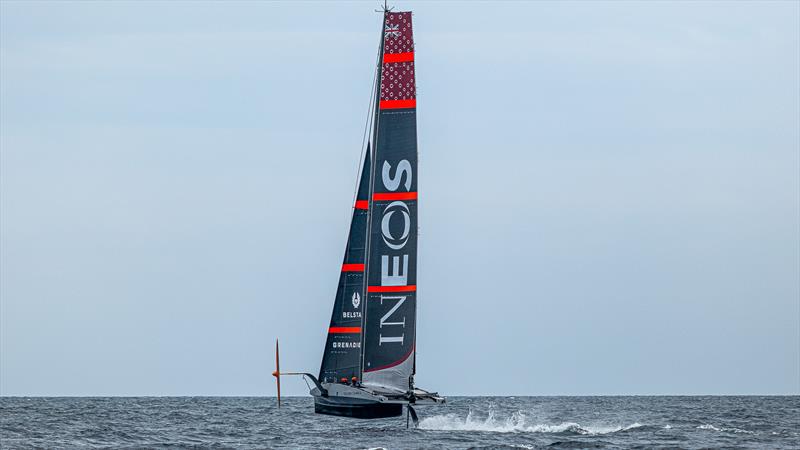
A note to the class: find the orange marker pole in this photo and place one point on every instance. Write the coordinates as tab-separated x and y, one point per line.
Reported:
277	373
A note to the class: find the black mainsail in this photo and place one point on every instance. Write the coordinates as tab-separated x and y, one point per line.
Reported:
390	311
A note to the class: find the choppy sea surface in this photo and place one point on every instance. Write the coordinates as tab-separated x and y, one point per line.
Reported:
464	422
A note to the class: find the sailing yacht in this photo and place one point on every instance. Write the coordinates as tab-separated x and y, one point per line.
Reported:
369	361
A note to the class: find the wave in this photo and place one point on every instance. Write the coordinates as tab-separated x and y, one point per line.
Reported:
516	423
724	429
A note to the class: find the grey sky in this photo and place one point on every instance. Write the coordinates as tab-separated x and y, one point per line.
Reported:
610	194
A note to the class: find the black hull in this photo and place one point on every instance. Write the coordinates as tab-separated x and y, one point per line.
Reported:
356	408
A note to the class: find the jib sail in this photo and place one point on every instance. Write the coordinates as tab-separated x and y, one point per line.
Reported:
390	309
342	356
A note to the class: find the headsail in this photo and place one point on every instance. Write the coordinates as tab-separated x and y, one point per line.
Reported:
390	311
342	357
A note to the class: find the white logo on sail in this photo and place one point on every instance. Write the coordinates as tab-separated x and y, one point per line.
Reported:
356	299
392	31
393	242
397	264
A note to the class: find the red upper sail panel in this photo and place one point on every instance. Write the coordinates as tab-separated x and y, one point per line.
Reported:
398	89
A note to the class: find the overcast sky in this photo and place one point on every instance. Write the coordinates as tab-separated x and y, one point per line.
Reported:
610	194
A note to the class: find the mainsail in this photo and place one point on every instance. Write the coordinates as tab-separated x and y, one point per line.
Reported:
389	325
342	357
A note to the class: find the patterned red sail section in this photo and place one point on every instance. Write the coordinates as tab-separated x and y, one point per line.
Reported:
398	89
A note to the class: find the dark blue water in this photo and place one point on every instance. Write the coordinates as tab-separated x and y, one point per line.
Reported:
465	422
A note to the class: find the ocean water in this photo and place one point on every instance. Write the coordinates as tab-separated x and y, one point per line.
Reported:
464	422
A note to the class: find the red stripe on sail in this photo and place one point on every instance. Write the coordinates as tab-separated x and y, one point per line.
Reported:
344	330
352	267
398	57
395	196
410	288
362	204
397	104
